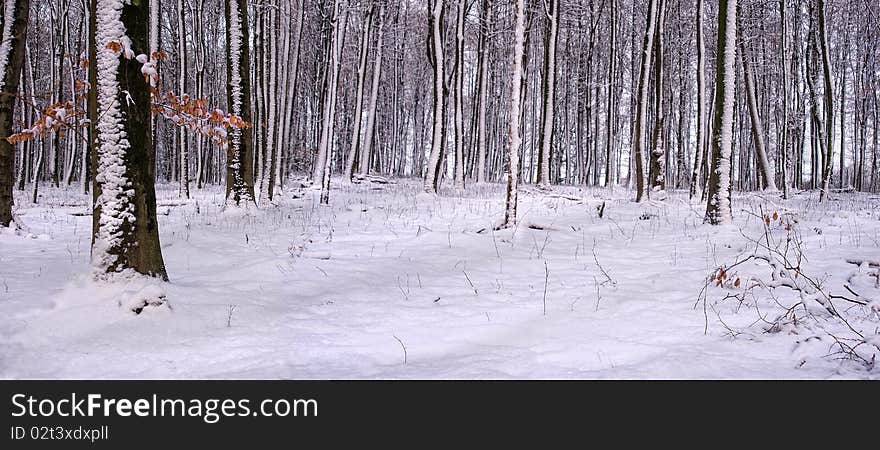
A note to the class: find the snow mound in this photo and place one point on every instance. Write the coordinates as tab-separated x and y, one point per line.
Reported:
151	295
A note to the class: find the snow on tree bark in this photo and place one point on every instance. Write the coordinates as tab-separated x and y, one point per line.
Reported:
127	235
549	90
7	21
239	156
514	140
611	106
483	93
718	210
432	175
291	87
267	181
701	102
829	103
13	35
459	95
369	133
642	107
322	165
657	171
183	75
767	174
356	141
275	181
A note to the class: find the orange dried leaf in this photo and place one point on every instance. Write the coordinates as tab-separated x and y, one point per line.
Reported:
114	46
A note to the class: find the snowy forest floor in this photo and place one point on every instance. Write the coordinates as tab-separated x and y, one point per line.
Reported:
391	283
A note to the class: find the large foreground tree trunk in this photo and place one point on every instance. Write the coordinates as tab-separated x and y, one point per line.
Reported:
13	35
127	236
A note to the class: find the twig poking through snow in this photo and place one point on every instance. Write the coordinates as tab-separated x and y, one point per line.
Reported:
229	310
608	278
470	282
546	279
401	346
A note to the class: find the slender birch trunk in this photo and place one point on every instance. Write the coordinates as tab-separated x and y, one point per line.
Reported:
359	97
374	94
551	39
642	105
435	53
829	102
767	175
514	141
459	95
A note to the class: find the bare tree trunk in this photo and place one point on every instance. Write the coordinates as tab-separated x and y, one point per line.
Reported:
435	54
841	180
271	107
514	140
374	94
13	36
483	90
611	113
182	79
701	103
281	61
127	236
657	171
767	175
325	145
359	95
240	150
718	210
551	39
829	102
155	38
459	95
291	89
783	50
642	112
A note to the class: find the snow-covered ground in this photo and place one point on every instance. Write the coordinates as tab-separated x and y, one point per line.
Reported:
391	283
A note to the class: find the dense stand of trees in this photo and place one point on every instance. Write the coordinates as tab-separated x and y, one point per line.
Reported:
654	95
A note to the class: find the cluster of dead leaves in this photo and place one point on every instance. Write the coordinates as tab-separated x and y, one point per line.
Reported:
184	111
720	277
195	114
56	118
